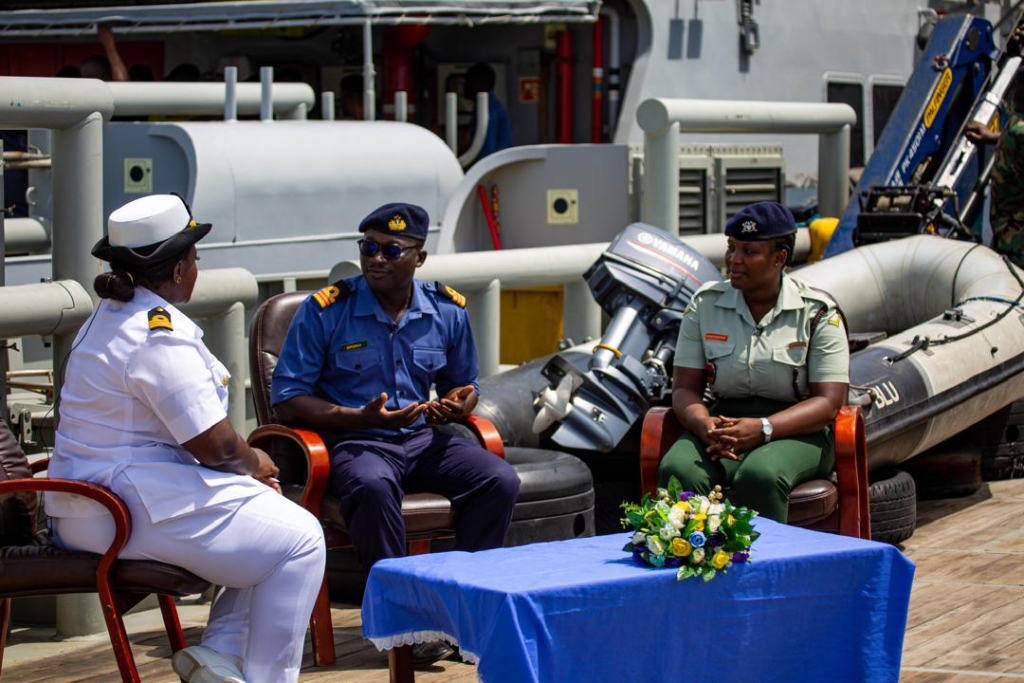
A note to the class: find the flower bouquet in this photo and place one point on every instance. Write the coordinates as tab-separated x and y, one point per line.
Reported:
701	535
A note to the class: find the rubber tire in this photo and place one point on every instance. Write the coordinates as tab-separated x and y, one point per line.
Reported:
950	470
893	507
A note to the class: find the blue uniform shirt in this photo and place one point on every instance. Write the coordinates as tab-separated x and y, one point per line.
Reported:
346	350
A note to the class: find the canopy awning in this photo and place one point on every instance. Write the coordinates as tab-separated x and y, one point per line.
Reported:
215	16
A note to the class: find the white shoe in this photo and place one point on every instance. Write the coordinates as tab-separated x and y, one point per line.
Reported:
198	664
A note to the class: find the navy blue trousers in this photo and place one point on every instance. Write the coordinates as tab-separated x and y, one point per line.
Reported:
372	475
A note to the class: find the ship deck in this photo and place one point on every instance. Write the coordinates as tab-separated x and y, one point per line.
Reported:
966	622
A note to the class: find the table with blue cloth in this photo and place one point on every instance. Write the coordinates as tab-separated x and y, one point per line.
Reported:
809	606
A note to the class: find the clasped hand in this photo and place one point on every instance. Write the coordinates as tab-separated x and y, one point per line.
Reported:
731	437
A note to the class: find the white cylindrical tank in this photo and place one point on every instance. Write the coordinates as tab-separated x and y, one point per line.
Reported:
281	195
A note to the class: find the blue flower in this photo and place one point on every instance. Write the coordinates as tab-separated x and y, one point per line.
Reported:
697	539
740	558
686	495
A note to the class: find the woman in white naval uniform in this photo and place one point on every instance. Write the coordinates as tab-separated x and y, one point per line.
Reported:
143	412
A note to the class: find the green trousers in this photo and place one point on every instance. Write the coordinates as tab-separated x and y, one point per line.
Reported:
763	477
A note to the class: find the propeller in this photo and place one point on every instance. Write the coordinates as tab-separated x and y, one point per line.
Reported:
553	404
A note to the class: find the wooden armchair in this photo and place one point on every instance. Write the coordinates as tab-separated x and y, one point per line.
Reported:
32	565
305	464
838	504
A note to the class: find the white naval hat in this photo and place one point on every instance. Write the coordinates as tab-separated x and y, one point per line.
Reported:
149	229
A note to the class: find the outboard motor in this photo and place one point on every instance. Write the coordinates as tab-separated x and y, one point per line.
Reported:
643	281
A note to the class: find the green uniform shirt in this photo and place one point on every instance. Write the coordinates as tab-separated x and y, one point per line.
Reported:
777	359
1008	191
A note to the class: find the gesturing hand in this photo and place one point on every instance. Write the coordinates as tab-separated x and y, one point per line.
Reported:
452	407
376	415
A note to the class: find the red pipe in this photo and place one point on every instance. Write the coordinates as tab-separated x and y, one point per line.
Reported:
485	202
563	60
597	104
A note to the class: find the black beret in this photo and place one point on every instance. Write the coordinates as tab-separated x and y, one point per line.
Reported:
761	221
398	218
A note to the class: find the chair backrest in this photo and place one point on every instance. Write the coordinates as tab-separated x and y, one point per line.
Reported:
266	337
17	510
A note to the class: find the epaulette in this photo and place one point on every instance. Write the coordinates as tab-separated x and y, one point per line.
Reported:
339	291
160	319
449	293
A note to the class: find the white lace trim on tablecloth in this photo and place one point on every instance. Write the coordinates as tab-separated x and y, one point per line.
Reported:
415	637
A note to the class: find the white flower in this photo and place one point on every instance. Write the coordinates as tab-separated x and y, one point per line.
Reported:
704	505
639	538
655	545
714	522
677	517
662	507
716	509
669	532
697	556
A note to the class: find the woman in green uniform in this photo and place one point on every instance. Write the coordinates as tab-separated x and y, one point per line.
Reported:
774	354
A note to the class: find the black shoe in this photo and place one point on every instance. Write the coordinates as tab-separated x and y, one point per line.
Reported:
425	654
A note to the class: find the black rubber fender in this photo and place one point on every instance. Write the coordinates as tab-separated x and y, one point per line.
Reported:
893	506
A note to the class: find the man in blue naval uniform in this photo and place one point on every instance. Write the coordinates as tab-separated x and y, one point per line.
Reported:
357	366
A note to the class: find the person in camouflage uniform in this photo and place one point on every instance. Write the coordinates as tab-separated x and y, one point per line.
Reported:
1007	179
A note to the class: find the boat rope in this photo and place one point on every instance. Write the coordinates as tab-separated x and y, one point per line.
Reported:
919	343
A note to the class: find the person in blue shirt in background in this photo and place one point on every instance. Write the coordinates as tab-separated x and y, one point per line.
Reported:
481	78
357	366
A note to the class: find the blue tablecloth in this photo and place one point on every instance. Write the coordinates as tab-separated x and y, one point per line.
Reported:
809	607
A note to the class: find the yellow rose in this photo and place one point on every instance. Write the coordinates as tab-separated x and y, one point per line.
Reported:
720	560
683	505
681	547
730	520
700	515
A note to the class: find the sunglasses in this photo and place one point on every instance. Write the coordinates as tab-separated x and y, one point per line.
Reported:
390	251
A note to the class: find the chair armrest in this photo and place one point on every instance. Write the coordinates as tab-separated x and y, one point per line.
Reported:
317	460
852	473
660	430
487	434
114	505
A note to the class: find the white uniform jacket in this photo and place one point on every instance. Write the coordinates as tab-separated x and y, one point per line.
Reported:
138	383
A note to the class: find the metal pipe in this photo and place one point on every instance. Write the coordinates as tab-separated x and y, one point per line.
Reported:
218	288
231	93
199	99
266	93
484	310
564	84
54	103
659	195
451	121
597	76
656	117
327	106
581	315
77	200
25	236
225	337
483	120
46	309
369	74
401	106
614	61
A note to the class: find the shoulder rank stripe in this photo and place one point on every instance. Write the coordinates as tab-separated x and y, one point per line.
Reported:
160	319
328	295
449	293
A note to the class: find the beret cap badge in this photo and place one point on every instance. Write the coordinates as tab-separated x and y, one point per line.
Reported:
396	224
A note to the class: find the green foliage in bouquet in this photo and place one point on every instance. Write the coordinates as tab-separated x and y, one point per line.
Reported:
698	535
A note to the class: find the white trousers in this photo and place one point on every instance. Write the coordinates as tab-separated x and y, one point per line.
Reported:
265	552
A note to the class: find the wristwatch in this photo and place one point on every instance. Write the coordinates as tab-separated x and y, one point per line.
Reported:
766	429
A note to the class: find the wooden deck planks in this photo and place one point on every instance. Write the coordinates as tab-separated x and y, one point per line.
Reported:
966	622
